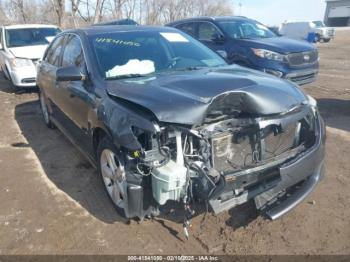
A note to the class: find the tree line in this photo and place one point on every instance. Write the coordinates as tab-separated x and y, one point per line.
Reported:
76	13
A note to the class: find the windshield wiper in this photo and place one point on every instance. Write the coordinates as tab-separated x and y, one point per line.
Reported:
190	68
125	76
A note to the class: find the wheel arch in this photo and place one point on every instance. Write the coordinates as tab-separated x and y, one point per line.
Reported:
98	133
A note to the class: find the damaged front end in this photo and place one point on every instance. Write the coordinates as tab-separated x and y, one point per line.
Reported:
231	157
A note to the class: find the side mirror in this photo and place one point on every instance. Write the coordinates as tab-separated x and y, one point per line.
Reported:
69	73
217	38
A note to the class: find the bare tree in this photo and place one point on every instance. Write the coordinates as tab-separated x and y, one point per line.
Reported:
59	7
75	8
84	12
18	10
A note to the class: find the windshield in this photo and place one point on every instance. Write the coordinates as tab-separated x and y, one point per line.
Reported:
133	54
245	29
318	24
29	36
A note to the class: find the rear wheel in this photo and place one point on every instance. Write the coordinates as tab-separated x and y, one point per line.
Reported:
326	40
112	170
44	110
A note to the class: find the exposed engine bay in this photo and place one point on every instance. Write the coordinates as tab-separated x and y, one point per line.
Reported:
220	159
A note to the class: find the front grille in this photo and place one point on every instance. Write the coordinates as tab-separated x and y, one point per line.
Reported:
304	58
330	32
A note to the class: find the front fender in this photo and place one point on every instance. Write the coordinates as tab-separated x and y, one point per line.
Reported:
119	118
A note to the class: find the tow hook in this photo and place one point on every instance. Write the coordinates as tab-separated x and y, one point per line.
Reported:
187	220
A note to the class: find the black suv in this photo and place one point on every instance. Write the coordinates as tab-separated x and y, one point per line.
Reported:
164	118
249	43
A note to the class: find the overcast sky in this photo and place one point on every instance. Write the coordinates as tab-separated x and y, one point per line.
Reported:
274	12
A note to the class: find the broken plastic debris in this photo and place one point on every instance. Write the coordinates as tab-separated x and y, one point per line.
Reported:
134	66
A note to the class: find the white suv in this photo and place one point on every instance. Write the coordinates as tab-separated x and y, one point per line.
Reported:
21	47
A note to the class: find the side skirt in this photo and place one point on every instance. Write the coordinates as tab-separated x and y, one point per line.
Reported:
70	138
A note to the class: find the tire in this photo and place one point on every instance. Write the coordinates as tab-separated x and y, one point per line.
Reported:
44	111
110	163
326	40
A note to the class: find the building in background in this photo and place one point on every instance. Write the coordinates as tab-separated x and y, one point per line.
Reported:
337	13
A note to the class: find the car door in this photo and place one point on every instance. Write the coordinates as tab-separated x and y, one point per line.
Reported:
78	98
47	77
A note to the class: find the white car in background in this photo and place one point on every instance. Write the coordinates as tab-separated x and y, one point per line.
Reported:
300	30
21	47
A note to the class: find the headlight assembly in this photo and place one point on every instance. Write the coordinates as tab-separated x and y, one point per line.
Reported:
267	54
21	62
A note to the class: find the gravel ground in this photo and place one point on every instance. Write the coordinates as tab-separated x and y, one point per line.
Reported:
52	200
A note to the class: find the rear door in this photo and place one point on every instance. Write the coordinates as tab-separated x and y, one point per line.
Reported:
47	76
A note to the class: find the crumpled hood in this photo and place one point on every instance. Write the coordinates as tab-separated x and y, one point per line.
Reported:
30	52
185	97
281	45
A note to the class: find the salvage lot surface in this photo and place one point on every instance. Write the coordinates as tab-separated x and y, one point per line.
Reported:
52	201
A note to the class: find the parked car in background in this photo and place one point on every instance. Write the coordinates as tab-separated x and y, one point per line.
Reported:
249	43
126	21
165	119
301	30
21	48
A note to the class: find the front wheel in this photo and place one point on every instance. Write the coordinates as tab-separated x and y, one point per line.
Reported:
112	170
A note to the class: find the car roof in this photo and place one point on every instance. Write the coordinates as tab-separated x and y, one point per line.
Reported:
103	29
210	18
126	21
19	26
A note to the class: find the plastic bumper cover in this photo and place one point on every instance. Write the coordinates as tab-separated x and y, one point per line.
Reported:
24	76
302	77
